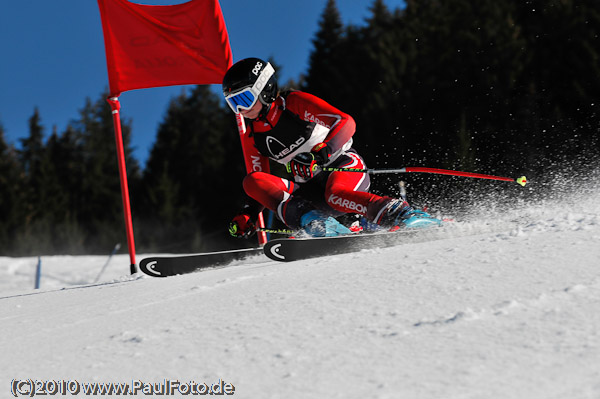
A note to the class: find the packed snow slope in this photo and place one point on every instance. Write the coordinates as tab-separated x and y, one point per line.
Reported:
502	305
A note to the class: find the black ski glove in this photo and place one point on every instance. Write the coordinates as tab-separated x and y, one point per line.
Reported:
305	164
242	226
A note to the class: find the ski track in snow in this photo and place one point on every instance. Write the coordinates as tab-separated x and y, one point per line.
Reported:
507	309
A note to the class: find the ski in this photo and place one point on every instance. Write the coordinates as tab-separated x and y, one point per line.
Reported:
282	250
291	249
164	266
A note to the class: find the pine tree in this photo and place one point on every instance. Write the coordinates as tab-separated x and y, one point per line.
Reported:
36	224
465	69
192	181
11	204
557	99
323	79
381	63
99	211
457	84
65	160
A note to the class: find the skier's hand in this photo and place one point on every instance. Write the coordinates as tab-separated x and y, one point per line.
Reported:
322	153
305	164
241	226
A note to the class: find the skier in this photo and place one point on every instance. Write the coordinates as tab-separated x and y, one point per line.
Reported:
304	133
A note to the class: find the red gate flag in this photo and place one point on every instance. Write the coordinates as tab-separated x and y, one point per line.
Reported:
152	46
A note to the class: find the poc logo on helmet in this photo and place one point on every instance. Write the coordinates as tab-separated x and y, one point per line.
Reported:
257	68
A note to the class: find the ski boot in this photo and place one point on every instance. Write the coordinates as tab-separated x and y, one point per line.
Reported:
318	224
399	213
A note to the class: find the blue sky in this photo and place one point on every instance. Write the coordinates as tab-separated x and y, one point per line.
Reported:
53	57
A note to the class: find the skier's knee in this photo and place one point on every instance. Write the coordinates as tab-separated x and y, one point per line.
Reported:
251	181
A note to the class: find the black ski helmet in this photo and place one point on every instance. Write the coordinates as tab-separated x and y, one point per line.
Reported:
244	74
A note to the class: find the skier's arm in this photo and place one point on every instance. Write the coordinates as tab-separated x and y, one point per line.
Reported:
311	108
244	223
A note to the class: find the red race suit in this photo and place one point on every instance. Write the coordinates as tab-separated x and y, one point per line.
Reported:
294	124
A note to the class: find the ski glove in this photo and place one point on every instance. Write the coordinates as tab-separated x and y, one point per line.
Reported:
305	164
242	226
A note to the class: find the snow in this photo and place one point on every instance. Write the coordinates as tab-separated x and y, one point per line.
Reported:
508	309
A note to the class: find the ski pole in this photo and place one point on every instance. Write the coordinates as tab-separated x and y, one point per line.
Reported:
276	231
521	180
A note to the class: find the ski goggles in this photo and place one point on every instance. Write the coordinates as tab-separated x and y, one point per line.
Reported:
247	97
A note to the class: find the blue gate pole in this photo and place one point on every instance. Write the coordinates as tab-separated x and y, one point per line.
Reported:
38	273
114	251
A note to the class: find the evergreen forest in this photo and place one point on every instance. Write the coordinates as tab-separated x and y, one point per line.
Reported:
504	87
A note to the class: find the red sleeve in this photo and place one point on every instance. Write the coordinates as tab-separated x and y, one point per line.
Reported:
313	109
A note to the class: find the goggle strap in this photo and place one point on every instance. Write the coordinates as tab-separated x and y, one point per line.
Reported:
263	78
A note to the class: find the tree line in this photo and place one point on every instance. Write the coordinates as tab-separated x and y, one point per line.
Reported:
495	87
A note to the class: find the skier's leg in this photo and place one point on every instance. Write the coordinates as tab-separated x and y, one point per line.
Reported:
275	193
347	192
267	189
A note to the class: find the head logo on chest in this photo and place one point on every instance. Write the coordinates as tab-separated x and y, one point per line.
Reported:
279	150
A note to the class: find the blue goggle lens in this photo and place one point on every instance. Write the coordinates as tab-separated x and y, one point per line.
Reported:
244	99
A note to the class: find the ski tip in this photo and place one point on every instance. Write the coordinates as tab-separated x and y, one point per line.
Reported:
522	180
